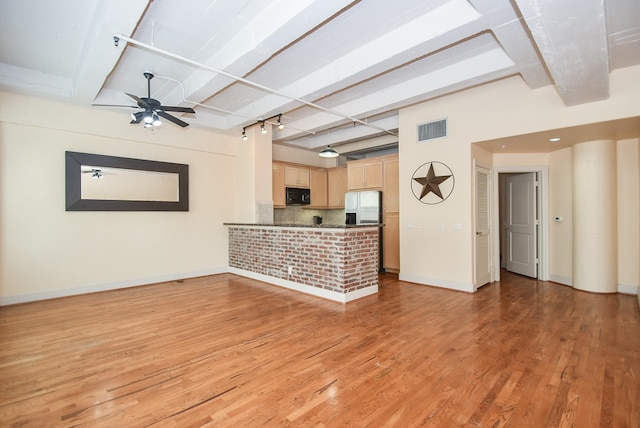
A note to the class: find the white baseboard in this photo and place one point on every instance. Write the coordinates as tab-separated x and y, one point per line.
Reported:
561	280
93	288
307	289
435	282
628	289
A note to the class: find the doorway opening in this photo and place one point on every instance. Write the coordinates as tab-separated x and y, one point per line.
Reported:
520	219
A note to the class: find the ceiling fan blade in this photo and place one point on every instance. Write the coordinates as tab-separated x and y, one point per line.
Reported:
112	105
172	119
178	109
140	101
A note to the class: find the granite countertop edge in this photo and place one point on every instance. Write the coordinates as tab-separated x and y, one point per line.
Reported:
314	226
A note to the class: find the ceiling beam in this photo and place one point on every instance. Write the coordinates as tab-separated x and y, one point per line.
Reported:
571	37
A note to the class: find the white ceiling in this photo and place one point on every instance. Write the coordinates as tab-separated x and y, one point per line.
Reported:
337	70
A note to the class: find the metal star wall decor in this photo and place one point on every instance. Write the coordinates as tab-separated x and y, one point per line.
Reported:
432	183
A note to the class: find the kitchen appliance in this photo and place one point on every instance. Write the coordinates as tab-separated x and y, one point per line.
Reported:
365	207
295	196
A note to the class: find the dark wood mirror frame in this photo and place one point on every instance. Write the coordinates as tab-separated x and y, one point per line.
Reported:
74	201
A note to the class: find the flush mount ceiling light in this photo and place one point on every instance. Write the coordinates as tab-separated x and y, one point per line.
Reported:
262	123
328	153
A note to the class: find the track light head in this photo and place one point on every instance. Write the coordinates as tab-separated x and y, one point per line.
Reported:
244	134
263	130
280	124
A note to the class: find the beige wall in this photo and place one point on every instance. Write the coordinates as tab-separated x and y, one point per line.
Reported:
561	204
497	110
48	252
628	215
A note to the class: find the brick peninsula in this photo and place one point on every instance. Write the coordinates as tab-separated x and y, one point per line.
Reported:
335	262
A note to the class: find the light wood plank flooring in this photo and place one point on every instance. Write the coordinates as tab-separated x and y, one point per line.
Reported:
228	351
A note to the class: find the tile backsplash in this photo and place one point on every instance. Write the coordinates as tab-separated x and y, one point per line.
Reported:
299	215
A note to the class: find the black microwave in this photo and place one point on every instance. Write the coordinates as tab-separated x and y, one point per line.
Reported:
298	196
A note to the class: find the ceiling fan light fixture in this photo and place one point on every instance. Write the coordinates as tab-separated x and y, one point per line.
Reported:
156	120
328	153
148	117
136	117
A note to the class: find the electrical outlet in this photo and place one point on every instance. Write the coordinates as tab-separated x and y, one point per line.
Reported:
290	270
440	226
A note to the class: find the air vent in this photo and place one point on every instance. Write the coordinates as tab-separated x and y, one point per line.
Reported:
432	130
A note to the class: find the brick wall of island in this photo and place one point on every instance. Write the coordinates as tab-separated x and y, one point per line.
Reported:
340	260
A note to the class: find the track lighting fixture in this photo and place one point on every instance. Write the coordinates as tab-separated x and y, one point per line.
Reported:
262	123
328	153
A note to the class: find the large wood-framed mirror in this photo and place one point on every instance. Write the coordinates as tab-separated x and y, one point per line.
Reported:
109	183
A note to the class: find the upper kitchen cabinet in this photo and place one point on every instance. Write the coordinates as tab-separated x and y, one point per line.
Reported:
296	176
278	188
391	191
318	188
365	174
337	186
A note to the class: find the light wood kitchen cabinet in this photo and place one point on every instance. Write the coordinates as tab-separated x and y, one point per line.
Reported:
296	177
364	174
391	242
390	195
318	188
337	186
278	190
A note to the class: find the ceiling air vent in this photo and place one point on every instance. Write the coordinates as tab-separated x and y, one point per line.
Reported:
432	130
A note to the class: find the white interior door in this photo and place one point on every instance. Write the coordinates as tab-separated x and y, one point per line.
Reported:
483	259
522	224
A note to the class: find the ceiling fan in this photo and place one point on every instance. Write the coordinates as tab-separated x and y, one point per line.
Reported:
95	171
153	110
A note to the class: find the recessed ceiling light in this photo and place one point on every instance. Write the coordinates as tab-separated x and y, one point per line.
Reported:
554	139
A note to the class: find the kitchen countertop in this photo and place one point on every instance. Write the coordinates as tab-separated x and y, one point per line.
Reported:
316	226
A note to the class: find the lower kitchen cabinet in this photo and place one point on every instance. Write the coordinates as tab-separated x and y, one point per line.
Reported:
391	242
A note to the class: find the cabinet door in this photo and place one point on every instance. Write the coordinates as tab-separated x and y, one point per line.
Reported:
391	243
278	186
318	187
296	177
355	176
391	186
337	186
364	175
373	174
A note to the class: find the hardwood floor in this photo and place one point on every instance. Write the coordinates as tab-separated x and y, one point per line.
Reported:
229	351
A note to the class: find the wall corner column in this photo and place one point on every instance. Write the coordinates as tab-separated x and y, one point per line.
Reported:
595	258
